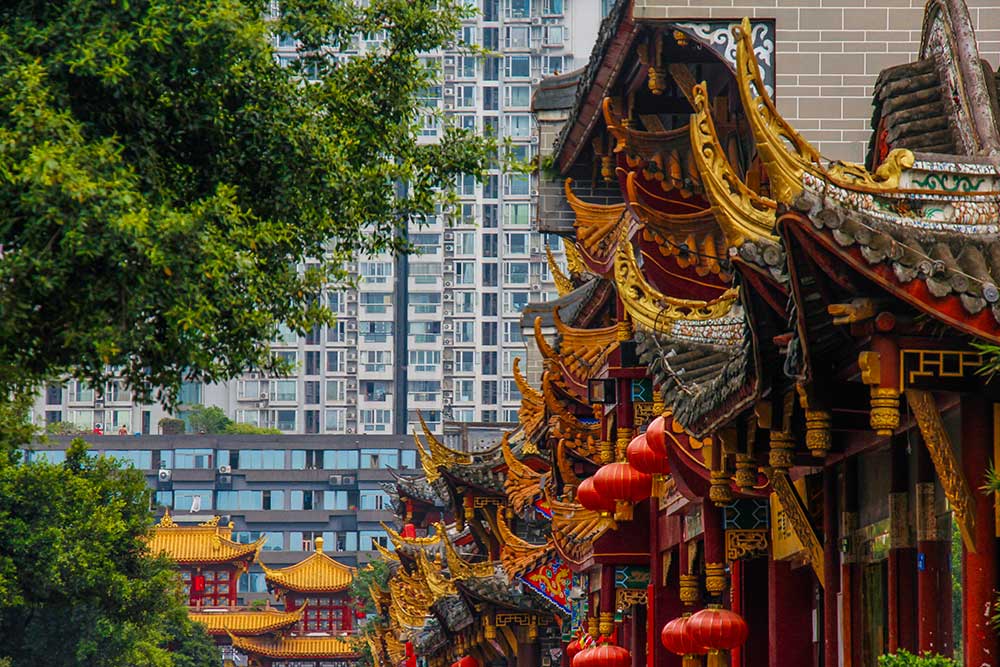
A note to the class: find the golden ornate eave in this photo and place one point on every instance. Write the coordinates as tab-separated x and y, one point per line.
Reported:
441	454
205	543
584	351
786	154
522	483
437	583
563	283
574	262
651	308
532	411
517	555
426	460
575	528
315	573
292	648
247	622
461	568
399	541
596	228
742	214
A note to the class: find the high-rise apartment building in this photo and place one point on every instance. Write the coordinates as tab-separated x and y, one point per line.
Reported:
436	331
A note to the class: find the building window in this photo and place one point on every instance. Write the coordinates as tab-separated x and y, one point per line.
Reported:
465	331
489	330
517	37
336	420
517	67
465	391
312	362
375	302
193	459
344	459
516	243
425	273
376	273
284	420
425	361
376	332
465	273
489	389
368	537
511	393
375	390
489	364
489	305
516	273
424	390
552	7
307	459
53	394
554	35
517	9
425	303
517	97
465	303
305	500
284	390
334	361
464	414
514	302
512	332
376	361
376	420
287	359
374	500
490	245
191	500
257	459
467	67
82	392
425	244
516	184
335	391
489	216
372	459
464	361
518	215
465	97
490	275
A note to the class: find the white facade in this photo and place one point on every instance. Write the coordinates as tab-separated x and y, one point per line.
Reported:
465	289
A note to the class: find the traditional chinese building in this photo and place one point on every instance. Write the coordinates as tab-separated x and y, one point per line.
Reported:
311	631
761	405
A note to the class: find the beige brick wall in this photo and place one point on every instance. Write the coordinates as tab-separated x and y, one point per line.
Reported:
829	53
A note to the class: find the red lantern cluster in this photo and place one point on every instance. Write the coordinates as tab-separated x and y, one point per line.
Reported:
620	481
656	435
572	649
588	496
677	639
718	629
645	459
466	661
603	655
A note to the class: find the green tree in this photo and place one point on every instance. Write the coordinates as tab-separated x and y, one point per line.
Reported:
77	583
163	178
210	420
237	428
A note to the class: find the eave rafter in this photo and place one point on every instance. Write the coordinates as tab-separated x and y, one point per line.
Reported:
517	555
574	528
532	411
564	284
654	310
742	214
522	483
596	229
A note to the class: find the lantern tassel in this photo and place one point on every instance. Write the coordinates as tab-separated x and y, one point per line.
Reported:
718	658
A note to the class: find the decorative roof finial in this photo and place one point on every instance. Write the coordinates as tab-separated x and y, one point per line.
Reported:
319	545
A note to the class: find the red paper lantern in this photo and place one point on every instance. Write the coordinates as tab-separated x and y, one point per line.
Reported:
643	458
588	496
677	639
466	661
717	628
603	655
656	435
620	481
572	649
198	583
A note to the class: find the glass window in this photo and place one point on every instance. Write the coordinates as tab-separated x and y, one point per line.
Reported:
376	273
374	500
491	97
425	361
516	243
516	184
465	97
376	420
517	214
141	459
489	305
341	459
376	361
408	459
164	499
517	67
378	332
465	331
464	361
465	391
425	332
47	455
336	390
512	332
193	459
284	390
375	390
192	500
464	414
375	302
514	302
53	394
335	500
334	361
82	392
517	37
258	459
465	302
253	582
517	96
517	9
336	420
424	390
190	393
285	420
554	35
379	458
516	273
465	273
424	243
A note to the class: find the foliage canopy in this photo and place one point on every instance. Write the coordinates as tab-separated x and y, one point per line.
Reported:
164	179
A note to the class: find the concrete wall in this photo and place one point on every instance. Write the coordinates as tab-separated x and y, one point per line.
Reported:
829	53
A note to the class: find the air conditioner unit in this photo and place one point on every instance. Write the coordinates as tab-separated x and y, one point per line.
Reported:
448	326
536	287
449	266
352	355
449	105
164	475
263	396
336	480
534	193
448	283
536	20
449	247
535	81
449	297
349	429
449	91
352	400
352	369
225	470
449	60
449	236
351	297
347	480
352	326
534	140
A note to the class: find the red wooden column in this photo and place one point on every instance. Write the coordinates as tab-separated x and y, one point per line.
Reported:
606	622
790	615
715	546
902	557
934	620
831	568
979	568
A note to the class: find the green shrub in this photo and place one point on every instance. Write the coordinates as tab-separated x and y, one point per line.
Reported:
249	429
904	658
171	426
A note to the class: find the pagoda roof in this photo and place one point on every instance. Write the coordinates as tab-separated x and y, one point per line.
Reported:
292	648
416	487
247	622
207	542
569	305
318	573
556	92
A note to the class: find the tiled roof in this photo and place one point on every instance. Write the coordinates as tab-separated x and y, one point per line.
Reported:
247	622
315	574
294	647
204	543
